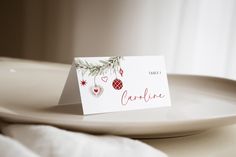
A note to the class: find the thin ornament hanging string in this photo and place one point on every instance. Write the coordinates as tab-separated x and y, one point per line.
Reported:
83	82
94	81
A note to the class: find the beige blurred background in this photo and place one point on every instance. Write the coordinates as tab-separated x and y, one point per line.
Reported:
195	36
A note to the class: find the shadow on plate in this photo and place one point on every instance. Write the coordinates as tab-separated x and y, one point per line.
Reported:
72	109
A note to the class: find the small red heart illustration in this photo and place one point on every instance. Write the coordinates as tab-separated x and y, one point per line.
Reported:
96	90
104	78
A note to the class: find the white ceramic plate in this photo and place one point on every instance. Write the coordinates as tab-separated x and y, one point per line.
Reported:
30	91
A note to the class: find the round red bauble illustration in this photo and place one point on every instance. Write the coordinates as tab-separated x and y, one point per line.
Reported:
117	84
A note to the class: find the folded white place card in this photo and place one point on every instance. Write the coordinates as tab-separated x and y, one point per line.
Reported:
109	84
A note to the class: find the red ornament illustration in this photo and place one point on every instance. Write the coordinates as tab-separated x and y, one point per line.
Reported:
121	72
83	82
117	84
96	90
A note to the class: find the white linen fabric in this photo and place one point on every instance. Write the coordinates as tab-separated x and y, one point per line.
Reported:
48	141
12	148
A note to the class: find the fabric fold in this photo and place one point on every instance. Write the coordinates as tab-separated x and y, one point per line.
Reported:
48	141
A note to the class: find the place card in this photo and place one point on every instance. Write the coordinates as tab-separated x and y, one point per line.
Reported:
119	83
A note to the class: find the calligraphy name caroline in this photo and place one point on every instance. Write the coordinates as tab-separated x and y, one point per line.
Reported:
146	97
